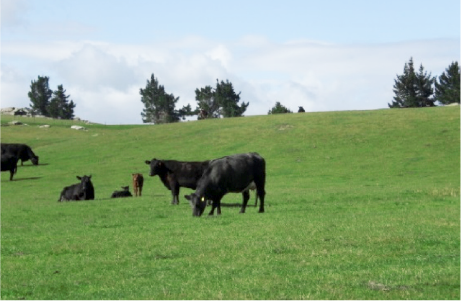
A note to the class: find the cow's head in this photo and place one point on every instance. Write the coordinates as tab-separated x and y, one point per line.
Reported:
156	167
85	181
34	160
198	204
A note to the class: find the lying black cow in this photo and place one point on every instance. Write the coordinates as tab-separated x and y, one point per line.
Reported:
122	194
22	151
235	173
78	192
176	174
9	163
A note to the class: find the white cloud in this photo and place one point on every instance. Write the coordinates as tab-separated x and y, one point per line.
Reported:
92	68
220	53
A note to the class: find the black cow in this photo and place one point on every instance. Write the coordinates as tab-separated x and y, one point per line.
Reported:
123	193
236	173
176	174
9	163
77	192
22	151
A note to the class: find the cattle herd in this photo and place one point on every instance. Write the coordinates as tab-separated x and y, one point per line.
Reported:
211	179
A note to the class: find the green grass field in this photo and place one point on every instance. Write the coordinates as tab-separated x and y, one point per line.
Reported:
359	205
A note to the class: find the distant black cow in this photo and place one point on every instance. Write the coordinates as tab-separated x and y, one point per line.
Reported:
301	110
123	193
235	173
9	163
176	174
78	192
22	151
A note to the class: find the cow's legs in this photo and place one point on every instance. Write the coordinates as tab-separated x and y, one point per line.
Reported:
260	193
140	190
175	193
213	206
246	197
216	204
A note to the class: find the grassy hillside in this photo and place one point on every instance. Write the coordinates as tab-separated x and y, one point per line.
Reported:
360	205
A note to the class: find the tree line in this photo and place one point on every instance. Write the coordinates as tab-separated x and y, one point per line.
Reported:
412	89
212	102
419	89
49	103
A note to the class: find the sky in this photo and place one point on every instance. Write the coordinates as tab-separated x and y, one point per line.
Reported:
329	55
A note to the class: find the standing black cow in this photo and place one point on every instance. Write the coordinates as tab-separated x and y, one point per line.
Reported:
77	192
22	151
236	173
9	163
176	174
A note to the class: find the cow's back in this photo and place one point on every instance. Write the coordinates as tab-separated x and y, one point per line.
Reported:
187	173
234	173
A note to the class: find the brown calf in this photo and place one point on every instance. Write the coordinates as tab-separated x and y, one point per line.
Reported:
138	180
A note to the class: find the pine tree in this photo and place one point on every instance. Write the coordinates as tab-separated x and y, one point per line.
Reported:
59	106
159	106
206	102
412	89
228	100
40	95
279	109
447	89
219	101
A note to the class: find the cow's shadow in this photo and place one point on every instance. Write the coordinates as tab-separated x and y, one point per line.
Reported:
32	165
232	205
25	179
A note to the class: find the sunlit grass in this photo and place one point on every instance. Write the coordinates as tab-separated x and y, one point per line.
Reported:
360	205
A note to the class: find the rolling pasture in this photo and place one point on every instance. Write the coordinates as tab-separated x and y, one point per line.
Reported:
359	205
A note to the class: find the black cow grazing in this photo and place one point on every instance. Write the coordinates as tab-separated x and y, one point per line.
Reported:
9	163
236	173
22	151
78	192
176	174
252	186
122	194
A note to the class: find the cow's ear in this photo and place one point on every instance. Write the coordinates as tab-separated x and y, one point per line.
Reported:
188	197
147	162
79	178
89	177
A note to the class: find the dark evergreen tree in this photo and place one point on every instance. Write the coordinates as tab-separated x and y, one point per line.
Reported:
424	90
412	89
159	106
279	109
229	100
219	101
447	88
40	95
59	106
207	103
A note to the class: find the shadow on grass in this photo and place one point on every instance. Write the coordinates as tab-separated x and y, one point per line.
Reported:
32	165
25	179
